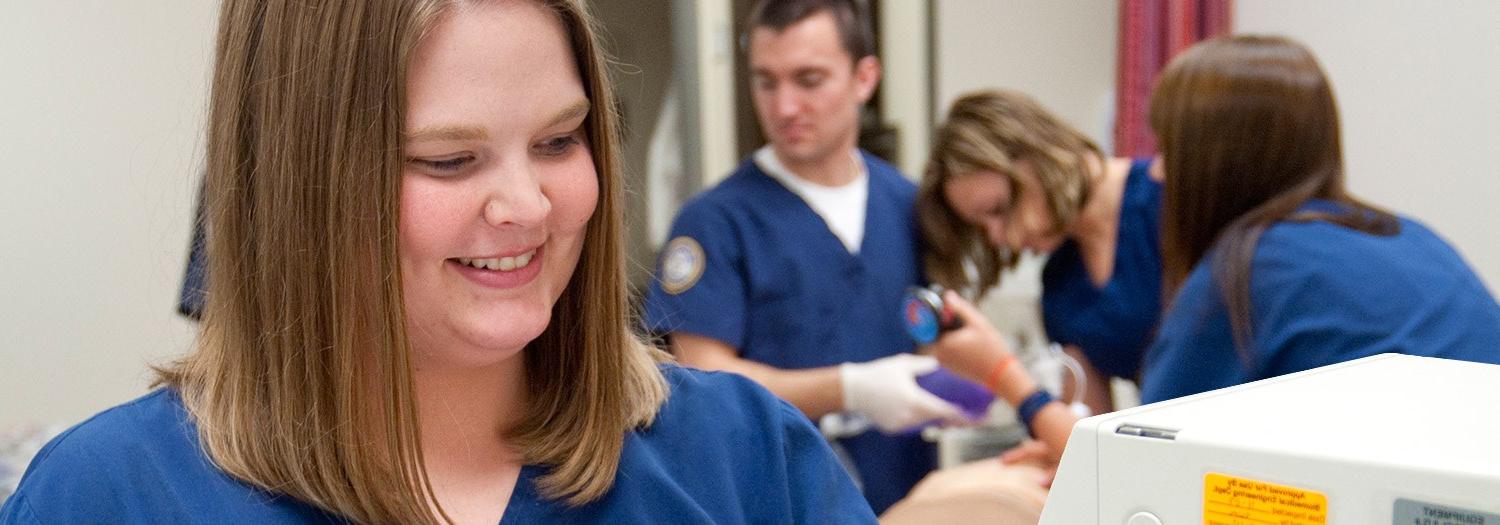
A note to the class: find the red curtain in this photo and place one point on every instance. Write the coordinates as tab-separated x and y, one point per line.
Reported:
1151	33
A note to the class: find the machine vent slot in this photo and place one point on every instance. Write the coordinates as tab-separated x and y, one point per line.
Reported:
1147	432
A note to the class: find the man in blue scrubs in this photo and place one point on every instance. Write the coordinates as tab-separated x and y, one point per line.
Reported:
791	271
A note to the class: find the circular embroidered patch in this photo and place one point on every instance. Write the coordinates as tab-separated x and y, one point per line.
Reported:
681	265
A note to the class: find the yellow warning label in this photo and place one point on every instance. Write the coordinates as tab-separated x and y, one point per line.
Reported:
1228	500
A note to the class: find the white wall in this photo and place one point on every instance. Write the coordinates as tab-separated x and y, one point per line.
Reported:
716	86
905	90
1418	86
101	107
1061	53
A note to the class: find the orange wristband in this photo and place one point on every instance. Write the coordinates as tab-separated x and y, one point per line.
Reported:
994	378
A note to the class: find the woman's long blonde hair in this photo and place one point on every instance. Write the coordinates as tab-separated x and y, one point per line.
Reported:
301	383
992	131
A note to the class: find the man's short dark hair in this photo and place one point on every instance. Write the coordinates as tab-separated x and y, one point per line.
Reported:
849	16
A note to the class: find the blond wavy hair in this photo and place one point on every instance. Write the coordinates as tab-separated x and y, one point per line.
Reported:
993	131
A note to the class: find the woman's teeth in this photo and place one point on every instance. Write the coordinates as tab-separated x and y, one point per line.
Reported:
504	264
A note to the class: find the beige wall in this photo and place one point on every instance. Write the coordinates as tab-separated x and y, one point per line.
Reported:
1062	53
905	86
101	105
1417	84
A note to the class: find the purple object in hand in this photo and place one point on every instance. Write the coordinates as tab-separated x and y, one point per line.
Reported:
974	400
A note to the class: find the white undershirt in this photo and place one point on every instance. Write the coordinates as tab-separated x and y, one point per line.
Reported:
841	207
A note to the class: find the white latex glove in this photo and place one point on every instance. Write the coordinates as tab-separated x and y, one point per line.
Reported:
886	391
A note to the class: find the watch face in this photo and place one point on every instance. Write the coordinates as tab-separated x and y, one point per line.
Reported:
920	314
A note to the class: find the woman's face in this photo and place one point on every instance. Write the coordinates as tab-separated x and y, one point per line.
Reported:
1013	218
499	182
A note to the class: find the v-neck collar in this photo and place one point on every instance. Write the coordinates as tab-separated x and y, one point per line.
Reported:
769	166
522	495
794	203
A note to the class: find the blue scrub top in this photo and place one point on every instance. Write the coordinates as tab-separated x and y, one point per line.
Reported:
751	265
1320	294
722	450
1111	325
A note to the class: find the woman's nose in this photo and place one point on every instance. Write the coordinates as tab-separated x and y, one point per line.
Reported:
516	197
995	231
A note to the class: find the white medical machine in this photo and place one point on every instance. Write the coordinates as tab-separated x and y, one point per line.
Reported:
1388	439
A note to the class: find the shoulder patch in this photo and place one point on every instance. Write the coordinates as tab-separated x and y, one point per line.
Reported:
681	265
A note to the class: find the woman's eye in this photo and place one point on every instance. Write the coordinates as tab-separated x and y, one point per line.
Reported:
1000	211
444	165
558	145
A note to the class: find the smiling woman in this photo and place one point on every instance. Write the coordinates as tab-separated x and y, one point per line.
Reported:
418	308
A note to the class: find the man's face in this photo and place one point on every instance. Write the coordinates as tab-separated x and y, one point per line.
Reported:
808	90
